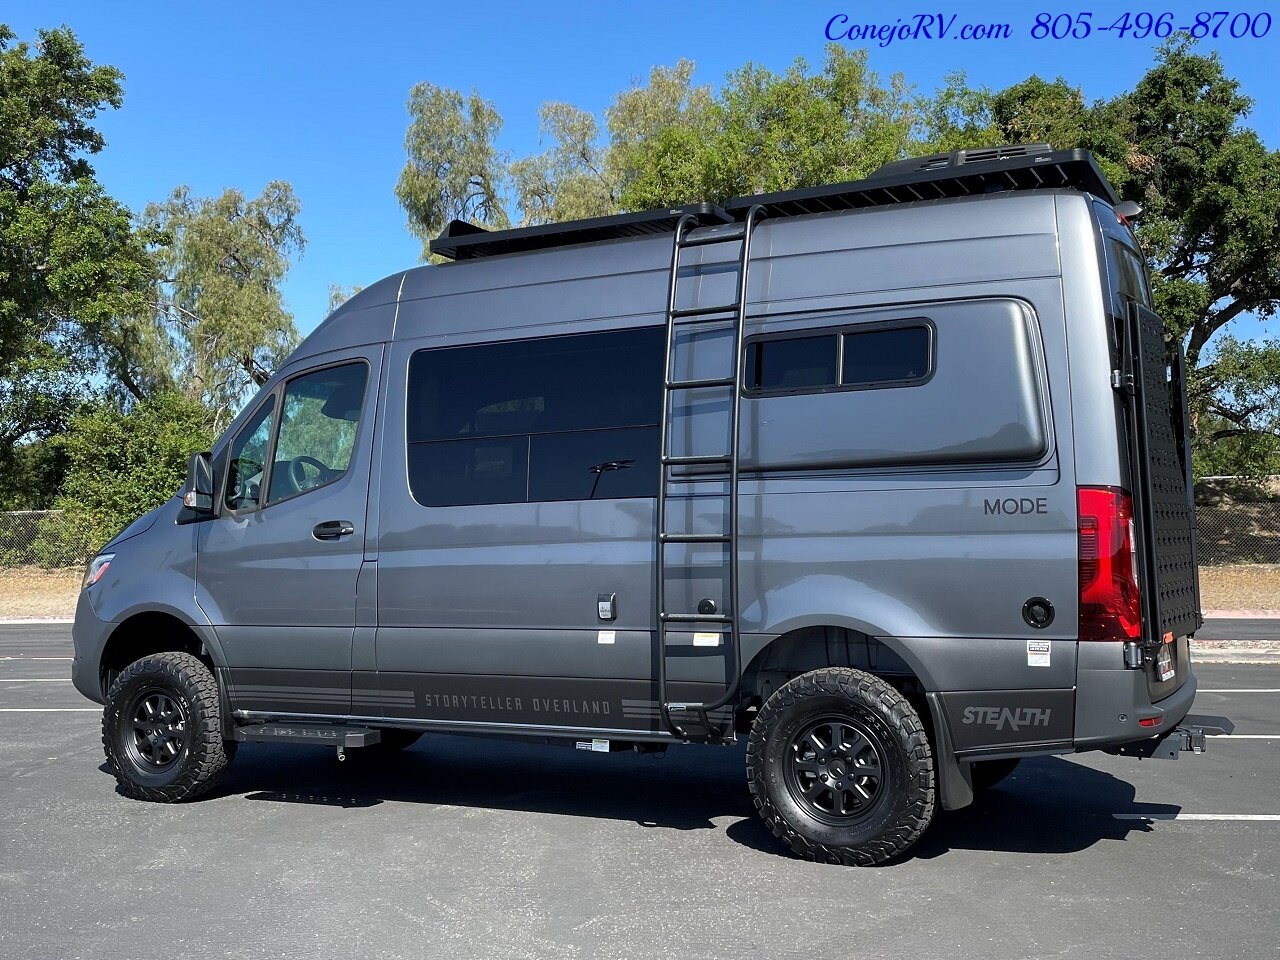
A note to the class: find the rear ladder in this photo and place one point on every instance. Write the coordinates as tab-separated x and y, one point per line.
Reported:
693	721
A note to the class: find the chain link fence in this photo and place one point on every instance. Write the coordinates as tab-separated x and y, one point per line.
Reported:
1238	522
41	538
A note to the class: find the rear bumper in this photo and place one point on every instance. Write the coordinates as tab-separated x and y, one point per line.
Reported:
1187	737
1111	701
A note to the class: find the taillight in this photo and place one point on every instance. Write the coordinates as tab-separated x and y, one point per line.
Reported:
1109	599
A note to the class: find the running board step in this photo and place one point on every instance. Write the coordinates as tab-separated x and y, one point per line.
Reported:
692	722
320	734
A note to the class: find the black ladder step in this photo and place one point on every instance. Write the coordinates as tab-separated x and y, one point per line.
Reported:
701	384
733	236
695	618
697	460
694	537
703	311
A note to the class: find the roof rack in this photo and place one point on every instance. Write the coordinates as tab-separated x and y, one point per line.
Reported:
942	175
464	241
935	177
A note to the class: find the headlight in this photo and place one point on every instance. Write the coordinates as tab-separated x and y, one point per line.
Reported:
97	567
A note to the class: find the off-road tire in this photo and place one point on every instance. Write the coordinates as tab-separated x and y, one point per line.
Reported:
903	804
987	773
204	756
395	739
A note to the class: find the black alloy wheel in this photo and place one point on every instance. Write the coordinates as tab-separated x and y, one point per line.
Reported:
835	769
160	729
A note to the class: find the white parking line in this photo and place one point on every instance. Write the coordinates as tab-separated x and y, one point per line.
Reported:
35	680
1248	736
1243	690
37	658
50	709
1268	817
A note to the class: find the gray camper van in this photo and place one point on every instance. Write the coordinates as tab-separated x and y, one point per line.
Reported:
888	477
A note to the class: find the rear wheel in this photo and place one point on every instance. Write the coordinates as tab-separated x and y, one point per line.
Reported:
162	729
840	768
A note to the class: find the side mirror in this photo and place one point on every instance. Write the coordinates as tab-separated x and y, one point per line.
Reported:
197	492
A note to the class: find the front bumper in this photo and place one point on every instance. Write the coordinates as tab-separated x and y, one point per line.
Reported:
89	635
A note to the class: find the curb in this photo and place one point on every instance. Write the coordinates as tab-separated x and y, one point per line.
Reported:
1242	614
33	621
1235	651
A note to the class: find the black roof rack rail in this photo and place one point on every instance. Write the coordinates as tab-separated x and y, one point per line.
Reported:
463	241
941	175
935	177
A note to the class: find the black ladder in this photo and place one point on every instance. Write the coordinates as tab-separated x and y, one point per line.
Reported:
693	721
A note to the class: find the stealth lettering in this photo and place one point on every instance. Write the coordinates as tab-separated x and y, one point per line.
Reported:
1012	718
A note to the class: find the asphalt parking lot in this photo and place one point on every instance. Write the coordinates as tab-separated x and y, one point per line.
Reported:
467	848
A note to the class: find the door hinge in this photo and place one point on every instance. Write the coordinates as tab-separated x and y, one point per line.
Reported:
1122	381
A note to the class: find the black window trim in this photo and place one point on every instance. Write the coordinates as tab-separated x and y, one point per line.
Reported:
840	332
277	393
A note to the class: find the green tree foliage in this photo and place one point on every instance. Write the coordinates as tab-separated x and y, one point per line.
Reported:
220	320
454	170
120	465
32	475
70	261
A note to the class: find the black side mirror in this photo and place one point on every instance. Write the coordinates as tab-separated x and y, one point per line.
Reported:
197	492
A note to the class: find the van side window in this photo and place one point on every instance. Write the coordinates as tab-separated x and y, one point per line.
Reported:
562	418
792	363
318	422
248	460
895	355
885	356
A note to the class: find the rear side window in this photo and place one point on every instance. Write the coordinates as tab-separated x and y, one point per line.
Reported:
894	355
792	363
885	356
1131	278
563	418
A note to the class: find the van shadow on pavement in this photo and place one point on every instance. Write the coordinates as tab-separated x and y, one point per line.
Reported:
1049	805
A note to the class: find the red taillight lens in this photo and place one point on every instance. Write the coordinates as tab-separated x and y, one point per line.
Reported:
1109	600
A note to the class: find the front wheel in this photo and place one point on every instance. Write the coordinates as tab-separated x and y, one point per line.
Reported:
162	729
840	767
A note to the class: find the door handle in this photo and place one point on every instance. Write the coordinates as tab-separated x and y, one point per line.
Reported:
333	529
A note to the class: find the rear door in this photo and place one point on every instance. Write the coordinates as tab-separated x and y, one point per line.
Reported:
1154	380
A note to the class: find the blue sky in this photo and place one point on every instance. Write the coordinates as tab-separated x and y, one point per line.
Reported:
238	94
